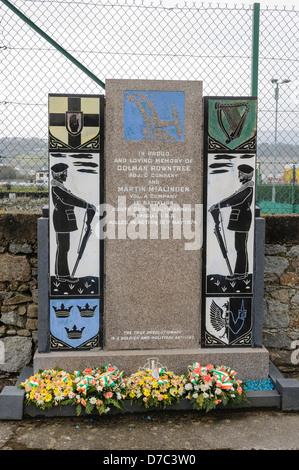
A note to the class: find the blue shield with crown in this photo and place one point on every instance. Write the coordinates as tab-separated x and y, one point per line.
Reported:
74	323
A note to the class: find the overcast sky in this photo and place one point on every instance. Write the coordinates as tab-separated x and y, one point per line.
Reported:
25	63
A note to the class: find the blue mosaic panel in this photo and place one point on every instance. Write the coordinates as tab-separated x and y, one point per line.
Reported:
154	115
74	323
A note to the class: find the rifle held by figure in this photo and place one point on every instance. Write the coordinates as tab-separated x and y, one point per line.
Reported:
89	215
215	212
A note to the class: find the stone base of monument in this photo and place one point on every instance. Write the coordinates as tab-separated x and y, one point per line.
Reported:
250	363
284	397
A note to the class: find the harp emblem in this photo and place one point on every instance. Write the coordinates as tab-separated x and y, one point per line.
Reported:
231	118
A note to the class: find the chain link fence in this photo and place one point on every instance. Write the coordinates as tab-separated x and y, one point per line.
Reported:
144	39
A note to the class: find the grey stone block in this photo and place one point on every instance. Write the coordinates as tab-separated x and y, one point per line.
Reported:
11	403
256	399
43	284
263	398
250	363
63	411
258	296
25	373
274	373
289	390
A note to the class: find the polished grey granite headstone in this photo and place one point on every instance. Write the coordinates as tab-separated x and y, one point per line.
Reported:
154	152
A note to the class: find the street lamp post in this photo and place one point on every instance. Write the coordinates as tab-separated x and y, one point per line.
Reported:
276	96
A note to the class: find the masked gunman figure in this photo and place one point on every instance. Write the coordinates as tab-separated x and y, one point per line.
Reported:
240	219
64	219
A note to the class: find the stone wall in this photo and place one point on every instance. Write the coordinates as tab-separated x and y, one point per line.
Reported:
281	291
18	289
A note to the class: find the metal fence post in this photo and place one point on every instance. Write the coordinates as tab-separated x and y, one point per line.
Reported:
294	189
255	49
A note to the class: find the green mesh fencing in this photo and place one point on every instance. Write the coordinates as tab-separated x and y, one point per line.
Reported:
143	39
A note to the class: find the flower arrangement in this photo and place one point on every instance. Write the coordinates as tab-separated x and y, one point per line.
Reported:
98	388
206	387
48	388
154	388
92	388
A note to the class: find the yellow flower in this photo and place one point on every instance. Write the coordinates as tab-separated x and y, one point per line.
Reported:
43	392
56	390
48	387
146	393
132	394
165	397
48	397
32	395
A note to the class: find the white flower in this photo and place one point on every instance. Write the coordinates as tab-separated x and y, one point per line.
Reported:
118	396
59	396
218	391
188	386
195	395
107	409
99	388
40	401
93	400
204	387
205	395
196	387
78	397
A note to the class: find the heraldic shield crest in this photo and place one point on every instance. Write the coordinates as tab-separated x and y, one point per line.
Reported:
74	122
74	323
232	124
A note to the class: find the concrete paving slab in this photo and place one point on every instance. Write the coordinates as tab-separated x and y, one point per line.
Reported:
156	430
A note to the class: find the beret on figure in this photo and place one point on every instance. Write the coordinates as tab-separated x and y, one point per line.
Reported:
246	169
59	167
